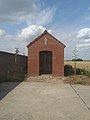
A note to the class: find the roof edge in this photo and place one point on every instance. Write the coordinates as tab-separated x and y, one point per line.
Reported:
44	33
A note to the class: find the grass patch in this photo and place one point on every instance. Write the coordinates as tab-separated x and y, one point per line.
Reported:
85	72
12	78
79	79
82	82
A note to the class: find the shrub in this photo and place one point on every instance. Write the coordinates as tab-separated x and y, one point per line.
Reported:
68	70
12	78
85	72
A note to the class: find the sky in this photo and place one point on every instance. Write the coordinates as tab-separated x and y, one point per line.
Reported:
21	21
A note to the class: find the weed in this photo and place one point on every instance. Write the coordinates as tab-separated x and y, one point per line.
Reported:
82	82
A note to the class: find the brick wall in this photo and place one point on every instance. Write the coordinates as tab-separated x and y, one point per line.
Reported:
57	55
12	64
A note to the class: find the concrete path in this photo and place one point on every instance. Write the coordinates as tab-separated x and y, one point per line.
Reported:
84	93
45	101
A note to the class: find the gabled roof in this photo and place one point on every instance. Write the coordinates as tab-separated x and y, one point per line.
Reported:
44	33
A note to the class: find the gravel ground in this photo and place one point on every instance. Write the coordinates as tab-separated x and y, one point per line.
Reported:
45	79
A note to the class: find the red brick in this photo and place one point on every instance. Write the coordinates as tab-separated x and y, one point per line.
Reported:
53	45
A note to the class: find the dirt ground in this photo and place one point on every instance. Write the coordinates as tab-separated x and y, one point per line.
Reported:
79	79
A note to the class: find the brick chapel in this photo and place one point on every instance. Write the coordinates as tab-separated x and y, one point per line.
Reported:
46	56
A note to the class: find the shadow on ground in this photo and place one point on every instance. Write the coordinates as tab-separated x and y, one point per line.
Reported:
6	87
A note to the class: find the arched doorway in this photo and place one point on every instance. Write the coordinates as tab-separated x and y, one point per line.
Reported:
45	62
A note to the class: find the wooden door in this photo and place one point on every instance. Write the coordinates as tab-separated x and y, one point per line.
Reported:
45	62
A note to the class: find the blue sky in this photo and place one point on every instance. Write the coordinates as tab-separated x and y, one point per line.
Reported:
23	20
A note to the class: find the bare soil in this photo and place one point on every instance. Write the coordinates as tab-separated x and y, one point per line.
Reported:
79	79
45	78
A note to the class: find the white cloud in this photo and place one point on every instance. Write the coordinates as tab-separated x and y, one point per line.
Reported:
80	40
18	11
9	42
43	17
87	40
2	33
46	16
5	36
83	34
29	33
83	45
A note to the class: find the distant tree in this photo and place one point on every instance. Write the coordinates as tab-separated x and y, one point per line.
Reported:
23	54
16	54
78	59
17	51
